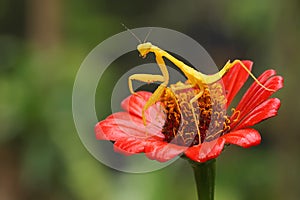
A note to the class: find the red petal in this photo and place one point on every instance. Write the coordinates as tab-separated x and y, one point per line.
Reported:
135	103
127	128
206	150
256	94
235	79
129	123
129	145
122	124
263	111
243	137
105	132
162	151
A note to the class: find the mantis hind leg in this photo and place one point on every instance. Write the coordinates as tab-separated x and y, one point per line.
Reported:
192	101
229	65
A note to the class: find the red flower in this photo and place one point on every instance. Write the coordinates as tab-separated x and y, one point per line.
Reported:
158	139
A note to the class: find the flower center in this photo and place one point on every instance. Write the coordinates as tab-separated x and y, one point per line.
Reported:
190	121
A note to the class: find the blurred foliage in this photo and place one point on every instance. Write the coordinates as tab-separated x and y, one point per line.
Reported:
42	44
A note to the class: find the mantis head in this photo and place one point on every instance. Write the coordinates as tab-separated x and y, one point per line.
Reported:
144	49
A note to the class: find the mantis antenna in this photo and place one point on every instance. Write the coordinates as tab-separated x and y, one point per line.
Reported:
147	35
136	37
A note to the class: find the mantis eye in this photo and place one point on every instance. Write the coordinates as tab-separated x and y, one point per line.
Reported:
143	56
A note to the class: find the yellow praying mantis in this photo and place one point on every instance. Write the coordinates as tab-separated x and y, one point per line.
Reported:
194	77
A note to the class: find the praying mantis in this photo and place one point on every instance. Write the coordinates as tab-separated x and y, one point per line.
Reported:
194	77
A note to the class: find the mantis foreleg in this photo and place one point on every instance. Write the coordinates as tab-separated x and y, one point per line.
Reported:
150	78
147	78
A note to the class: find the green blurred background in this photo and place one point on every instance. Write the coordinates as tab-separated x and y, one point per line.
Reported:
42	44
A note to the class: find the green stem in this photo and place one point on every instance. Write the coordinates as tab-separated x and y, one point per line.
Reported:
205	178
